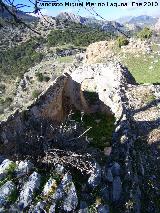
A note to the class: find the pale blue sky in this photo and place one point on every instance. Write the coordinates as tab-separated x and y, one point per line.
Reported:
109	13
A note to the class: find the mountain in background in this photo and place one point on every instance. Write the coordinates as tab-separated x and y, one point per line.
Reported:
124	19
107	26
143	20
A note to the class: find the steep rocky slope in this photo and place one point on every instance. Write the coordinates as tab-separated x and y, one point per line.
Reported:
108	26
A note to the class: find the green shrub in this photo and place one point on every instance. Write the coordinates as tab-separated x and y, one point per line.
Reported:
39	76
11	169
46	78
102	128
122	41
36	93
13	196
42	77
146	33
8	100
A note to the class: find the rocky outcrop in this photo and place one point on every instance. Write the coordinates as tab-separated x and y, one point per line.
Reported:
123	179
97	51
12	199
5	191
69	90
137	46
157	26
28	190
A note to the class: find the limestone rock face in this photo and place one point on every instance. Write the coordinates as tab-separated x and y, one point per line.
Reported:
89	88
5	191
115	169
157	26
49	186
103	80
24	167
71	201
28	190
137	46
40	207
103	209
83	207
97	51
14	200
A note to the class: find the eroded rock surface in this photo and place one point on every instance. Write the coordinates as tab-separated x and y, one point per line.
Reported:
129	178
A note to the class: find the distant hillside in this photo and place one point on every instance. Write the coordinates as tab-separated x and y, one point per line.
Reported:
107	26
143	20
124	19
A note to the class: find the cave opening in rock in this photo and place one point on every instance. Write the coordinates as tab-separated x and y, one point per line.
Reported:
69	126
85	127
79	132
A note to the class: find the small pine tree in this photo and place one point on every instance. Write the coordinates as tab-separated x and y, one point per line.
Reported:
122	41
146	33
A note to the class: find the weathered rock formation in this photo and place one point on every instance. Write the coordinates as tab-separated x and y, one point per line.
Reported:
70	90
98	50
129	179
157	26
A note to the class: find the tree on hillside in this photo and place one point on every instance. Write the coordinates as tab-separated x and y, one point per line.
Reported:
146	33
122	41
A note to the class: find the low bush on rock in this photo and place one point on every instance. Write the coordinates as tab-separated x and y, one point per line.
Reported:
122	41
146	33
36	93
